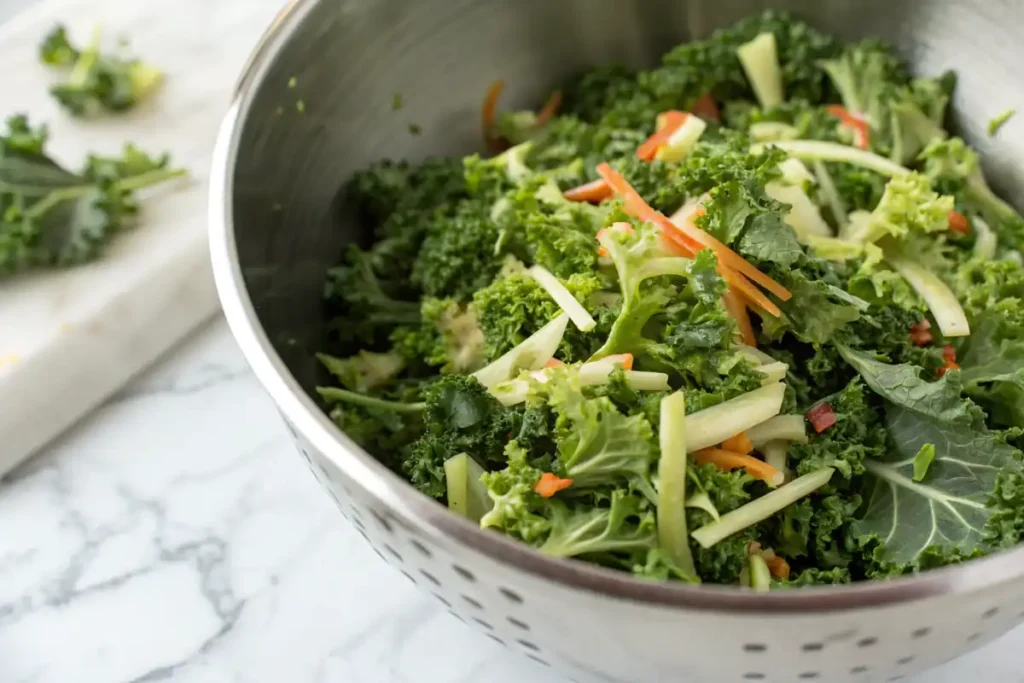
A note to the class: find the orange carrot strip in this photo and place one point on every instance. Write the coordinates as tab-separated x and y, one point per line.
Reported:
861	129
733	260
489	111
554	363
550	484
958	223
778	567
727	460
550	108
595	191
737	309
623	359
738	444
672	122
706	108
743	286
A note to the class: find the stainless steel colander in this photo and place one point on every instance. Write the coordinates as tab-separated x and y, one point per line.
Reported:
316	103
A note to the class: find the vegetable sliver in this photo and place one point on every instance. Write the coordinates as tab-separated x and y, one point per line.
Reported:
564	298
714	425
672	534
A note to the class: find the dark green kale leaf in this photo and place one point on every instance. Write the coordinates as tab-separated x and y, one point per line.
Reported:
388	187
460	253
96	82
460	417
50	216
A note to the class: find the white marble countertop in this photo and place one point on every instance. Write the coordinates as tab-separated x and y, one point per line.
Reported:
175	535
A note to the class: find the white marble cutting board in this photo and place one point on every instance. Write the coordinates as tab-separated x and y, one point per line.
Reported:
70	338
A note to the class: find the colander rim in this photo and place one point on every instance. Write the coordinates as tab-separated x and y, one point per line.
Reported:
415	509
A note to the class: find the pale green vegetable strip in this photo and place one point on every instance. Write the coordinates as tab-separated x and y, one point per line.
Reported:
818	150
770	131
564	298
831	194
940	299
986	241
760	575
803	216
773	372
532	354
756	355
467	495
672	535
774	453
714	425
762	508
760	62
795	173
682	141
702	501
785	427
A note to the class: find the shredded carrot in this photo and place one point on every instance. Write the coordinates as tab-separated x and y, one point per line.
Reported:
742	285
489	112
958	223
738	444
778	567
948	355
554	363
861	129
737	308
673	120
595	191
550	108
727	460
549	484
731	259
623	359
706	108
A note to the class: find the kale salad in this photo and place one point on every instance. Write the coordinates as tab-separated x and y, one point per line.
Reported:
751	317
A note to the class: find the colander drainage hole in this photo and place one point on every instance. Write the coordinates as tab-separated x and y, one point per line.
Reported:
430	577
511	595
422	549
753	676
385	524
538	660
483	623
393	552
472	602
456	615
528	645
859	670
989	613
409	576
973	637
813	647
443	600
464	573
754	647
921	632
518	624
808	675
903	661
496	639
867	642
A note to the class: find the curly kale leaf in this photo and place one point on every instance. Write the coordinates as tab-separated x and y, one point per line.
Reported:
96	82
50	216
459	417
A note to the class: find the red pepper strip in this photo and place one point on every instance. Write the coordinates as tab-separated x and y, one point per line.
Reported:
861	129
550	108
488	113
949	355
673	121
958	223
821	417
706	108
595	191
920	333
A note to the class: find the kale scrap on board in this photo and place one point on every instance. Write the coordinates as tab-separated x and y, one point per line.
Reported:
51	216
927	470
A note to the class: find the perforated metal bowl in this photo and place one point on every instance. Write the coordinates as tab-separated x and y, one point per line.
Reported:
288	145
